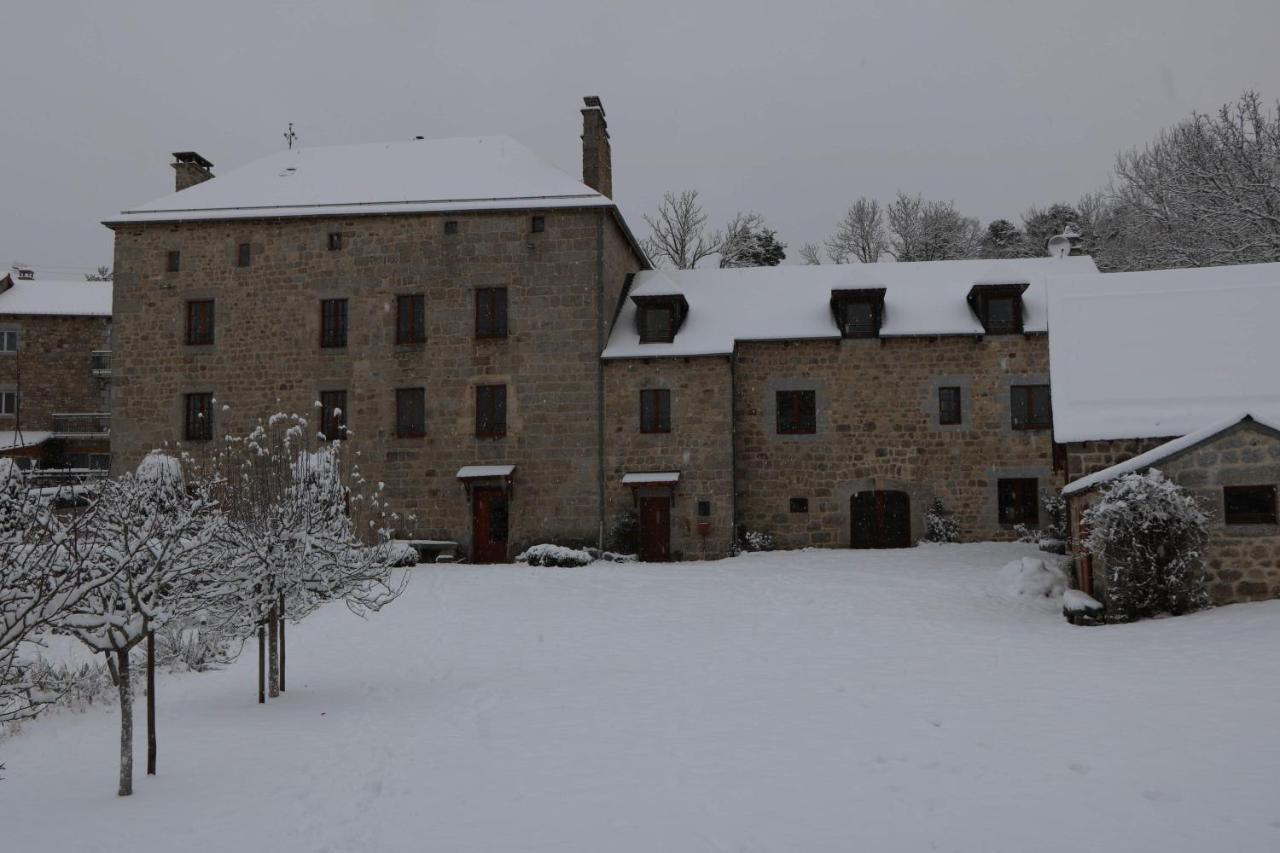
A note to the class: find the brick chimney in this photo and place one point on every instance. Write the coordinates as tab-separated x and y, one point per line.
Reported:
191	169
597	159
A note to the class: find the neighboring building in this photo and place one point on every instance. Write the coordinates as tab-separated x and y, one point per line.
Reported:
1154	369
829	406
450	298
1233	471
55	371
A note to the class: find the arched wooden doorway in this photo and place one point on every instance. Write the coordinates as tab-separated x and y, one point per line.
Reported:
880	519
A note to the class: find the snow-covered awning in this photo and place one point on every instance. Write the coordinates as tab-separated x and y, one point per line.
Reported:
648	478
475	472
12	440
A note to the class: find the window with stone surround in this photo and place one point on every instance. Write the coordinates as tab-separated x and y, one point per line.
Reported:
655	410
1249	504
244	255
198	417
949	411
1019	501
8	340
200	322
1029	407
411	412
335	241
798	505
8	404
173	262
333	323
333	415
411	318
797	412
451	226
538	224
491	312
491	411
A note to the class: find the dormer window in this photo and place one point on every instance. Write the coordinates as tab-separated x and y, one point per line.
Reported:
858	313
658	318
999	307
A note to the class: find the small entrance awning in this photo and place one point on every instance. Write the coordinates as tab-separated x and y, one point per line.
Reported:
475	472
651	478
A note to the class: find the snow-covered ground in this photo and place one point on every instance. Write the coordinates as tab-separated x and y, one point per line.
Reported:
809	701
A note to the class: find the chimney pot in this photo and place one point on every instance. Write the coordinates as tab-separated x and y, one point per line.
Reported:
597	156
190	169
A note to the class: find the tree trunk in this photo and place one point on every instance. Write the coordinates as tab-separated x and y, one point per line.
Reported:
273	654
151	703
282	666
262	665
111	670
126	725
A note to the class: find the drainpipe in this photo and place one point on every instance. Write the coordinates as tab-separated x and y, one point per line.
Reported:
600	376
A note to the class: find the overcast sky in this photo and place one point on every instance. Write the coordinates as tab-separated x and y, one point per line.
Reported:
792	109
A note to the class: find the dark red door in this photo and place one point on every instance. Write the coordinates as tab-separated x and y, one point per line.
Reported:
880	520
489	526
655	530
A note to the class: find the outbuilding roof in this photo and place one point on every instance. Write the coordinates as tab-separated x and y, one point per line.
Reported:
1163	353
54	298
793	302
466	173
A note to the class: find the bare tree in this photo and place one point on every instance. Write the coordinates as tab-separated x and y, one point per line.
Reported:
930	230
101	274
678	233
860	236
811	254
748	242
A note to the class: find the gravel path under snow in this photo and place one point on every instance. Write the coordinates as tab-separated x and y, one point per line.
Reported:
824	700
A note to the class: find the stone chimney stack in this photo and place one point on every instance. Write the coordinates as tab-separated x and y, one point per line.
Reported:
191	169
597	159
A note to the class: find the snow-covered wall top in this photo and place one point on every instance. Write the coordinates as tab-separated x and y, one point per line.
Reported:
793	302
1163	353
58	298
469	173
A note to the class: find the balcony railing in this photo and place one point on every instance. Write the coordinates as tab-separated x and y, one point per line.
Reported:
82	425
100	362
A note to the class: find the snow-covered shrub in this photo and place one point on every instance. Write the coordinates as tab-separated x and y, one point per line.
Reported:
624	536
1150	534
402	553
555	555
194	646
72	686
939	526
754	541
1034	578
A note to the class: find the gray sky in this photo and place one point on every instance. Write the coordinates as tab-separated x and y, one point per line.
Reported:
789	108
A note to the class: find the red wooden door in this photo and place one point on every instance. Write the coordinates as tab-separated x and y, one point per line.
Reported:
880	520
655	530
489	521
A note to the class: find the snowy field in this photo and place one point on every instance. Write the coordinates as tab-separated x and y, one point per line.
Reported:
886	701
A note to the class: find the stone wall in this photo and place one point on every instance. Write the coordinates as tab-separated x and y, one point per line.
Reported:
1090	457
266	355
877	428
57	374
699	445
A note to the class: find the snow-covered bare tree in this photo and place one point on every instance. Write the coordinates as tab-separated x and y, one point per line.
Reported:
811	254
678	234
1204	192
748	242
922	230
860	235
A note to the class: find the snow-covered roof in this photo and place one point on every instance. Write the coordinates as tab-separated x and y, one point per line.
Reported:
473	472
793	302
60	298
1163	353
641	478
9	439
1160	454
467	173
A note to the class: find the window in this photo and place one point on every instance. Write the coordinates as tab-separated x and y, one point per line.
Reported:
799	505
8	403
198	420
859	320
200	322
949	405
704	509
451	226
174	262
1029	407
491	312
411	412
1249	504
657	324
333	414
538	225
9	340
1003	315
411	318
333	323
335	241
655	410
1019	501
797	412
243	254
491	411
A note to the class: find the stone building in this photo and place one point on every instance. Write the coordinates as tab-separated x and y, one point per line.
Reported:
444	301
55	371
1155	369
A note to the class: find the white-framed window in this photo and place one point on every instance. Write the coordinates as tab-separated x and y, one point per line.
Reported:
8	340
8	403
